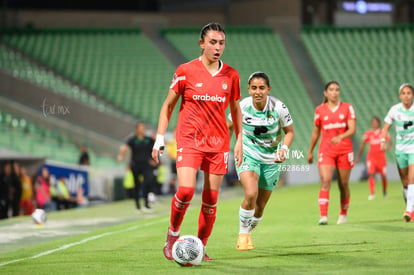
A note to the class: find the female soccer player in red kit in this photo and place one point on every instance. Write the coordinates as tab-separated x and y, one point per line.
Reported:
376	159
335	121
206	86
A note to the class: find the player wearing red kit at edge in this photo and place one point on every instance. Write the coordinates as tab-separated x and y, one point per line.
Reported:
335	120
206	86
376	159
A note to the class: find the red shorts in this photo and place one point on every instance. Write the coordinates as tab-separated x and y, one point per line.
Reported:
214	163
376	165
342	161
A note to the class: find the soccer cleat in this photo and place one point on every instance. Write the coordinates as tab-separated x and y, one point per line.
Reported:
342	219
323	220
243	242
169	245
407	216
250	243
207	258
371	197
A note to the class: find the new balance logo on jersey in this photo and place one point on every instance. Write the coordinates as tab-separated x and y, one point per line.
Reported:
206	97
199	85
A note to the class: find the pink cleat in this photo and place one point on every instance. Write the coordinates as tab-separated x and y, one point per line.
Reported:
169	244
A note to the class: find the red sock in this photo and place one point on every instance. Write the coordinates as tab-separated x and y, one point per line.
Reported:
179	206
323	202
371	183
344	206
384	185
207	214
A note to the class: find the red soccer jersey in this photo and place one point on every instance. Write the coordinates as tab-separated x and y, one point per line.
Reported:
204	98
373	138
334	122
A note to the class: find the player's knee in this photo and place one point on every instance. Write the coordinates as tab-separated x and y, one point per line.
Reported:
185	194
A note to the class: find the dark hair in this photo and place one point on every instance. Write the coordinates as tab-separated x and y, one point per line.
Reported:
377	119
325	99
210	27
259	75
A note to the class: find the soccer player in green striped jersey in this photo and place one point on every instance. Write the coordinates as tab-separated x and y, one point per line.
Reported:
264	150
402	115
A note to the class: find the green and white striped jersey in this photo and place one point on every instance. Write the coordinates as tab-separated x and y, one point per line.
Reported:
404	126
262	130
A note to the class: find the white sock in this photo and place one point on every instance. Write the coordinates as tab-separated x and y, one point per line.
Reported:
254	223
245	220
410	198
404	191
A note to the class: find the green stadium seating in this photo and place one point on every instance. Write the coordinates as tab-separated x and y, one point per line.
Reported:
20	67
26	137
369	64
259	49
122	66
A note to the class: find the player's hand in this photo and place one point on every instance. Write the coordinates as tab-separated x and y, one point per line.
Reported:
158	147
281	156
383	146
238	153
310	158
357	160
336	140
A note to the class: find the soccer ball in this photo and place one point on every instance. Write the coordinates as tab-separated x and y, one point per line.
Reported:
188	250
39	216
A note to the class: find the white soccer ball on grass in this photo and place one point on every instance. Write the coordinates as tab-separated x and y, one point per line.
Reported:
188	250
39	216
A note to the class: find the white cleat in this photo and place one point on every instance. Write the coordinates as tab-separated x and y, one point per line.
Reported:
342	219
371	197
323	220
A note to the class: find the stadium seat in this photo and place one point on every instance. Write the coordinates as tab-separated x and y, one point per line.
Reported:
109	62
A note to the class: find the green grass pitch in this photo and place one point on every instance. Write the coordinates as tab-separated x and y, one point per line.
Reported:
113	239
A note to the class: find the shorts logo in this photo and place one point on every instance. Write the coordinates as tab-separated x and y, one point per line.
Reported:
179	158
224	86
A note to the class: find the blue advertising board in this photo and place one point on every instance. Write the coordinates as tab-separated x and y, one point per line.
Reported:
74	178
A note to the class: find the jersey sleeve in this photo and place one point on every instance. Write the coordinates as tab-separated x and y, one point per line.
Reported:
389	118
317	117
178	81
130	142
235	87
351	113
285	117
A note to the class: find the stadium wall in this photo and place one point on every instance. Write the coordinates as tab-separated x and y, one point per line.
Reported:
278	14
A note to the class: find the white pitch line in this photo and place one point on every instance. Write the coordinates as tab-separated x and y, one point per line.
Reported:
66	246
